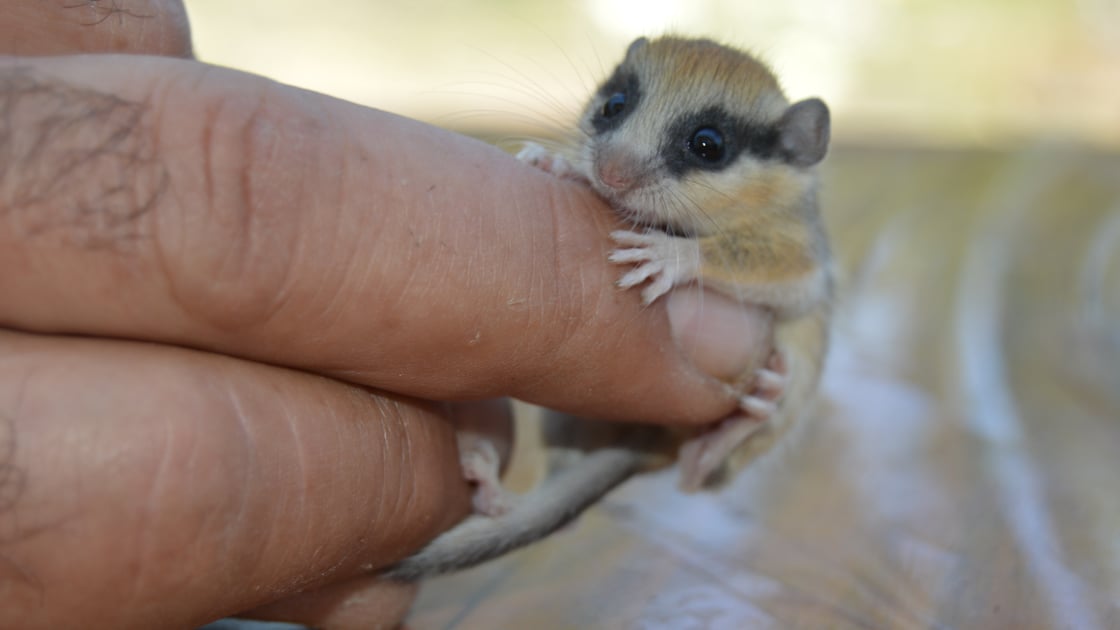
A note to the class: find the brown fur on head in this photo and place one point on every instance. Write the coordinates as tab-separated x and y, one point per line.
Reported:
646	120
686	73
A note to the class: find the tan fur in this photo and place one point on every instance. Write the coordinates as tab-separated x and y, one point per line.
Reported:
700	71
756	223
751	230
804	343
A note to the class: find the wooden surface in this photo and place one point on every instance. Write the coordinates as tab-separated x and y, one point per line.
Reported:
963	470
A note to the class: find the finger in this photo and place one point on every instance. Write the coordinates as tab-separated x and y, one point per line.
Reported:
368	601
66	27
199	206
359	603
147	486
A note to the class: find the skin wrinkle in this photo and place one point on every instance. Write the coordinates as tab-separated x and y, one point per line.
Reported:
352	552
330	300
157	487
388	510
355	275
407	493
270	137
573	303
240	408
383	470
462	265
298	468
183	450
535	291
219	526
381	218
244	134
246	462
242	257
207	146
159	102
305	250
433	234
346	558
408	436
299	462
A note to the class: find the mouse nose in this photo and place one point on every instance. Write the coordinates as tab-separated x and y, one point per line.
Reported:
615	175
618	170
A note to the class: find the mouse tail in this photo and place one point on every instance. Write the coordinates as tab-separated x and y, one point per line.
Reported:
555	503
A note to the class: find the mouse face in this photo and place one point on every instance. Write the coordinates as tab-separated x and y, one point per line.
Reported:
685	129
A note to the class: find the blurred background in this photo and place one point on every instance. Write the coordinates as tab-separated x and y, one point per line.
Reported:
942	72
962	466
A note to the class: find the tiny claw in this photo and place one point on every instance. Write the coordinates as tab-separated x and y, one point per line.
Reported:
777	362
629	238
656	289
639	275
770	382
624	256
758	408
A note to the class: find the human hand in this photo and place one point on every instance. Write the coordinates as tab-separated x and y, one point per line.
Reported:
231	312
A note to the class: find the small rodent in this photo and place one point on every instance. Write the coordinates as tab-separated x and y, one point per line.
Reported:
694	144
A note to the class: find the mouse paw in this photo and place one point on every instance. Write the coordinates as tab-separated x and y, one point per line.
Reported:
761	402
481	465
703	458
536	155
665	261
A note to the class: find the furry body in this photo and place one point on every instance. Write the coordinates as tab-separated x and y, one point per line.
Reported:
696	146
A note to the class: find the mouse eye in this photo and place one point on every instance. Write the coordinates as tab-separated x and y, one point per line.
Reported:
706	143
615	104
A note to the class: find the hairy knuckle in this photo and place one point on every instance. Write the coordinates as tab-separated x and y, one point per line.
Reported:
77	165
242	194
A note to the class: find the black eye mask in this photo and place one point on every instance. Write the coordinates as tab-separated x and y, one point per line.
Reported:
620	96
712	139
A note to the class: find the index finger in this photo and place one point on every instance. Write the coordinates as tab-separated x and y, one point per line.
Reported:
170	201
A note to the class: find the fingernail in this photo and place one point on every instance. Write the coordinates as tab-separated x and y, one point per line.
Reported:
721	337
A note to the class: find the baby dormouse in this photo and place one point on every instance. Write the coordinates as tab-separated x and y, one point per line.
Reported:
695	145
696	142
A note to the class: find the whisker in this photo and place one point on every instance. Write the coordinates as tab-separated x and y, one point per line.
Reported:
539	91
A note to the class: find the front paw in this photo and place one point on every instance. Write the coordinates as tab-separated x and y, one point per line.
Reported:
665	261
536	155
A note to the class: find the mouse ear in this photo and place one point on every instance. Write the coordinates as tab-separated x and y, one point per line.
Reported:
636	45
803	132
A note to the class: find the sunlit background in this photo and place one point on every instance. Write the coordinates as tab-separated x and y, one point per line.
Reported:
929	72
